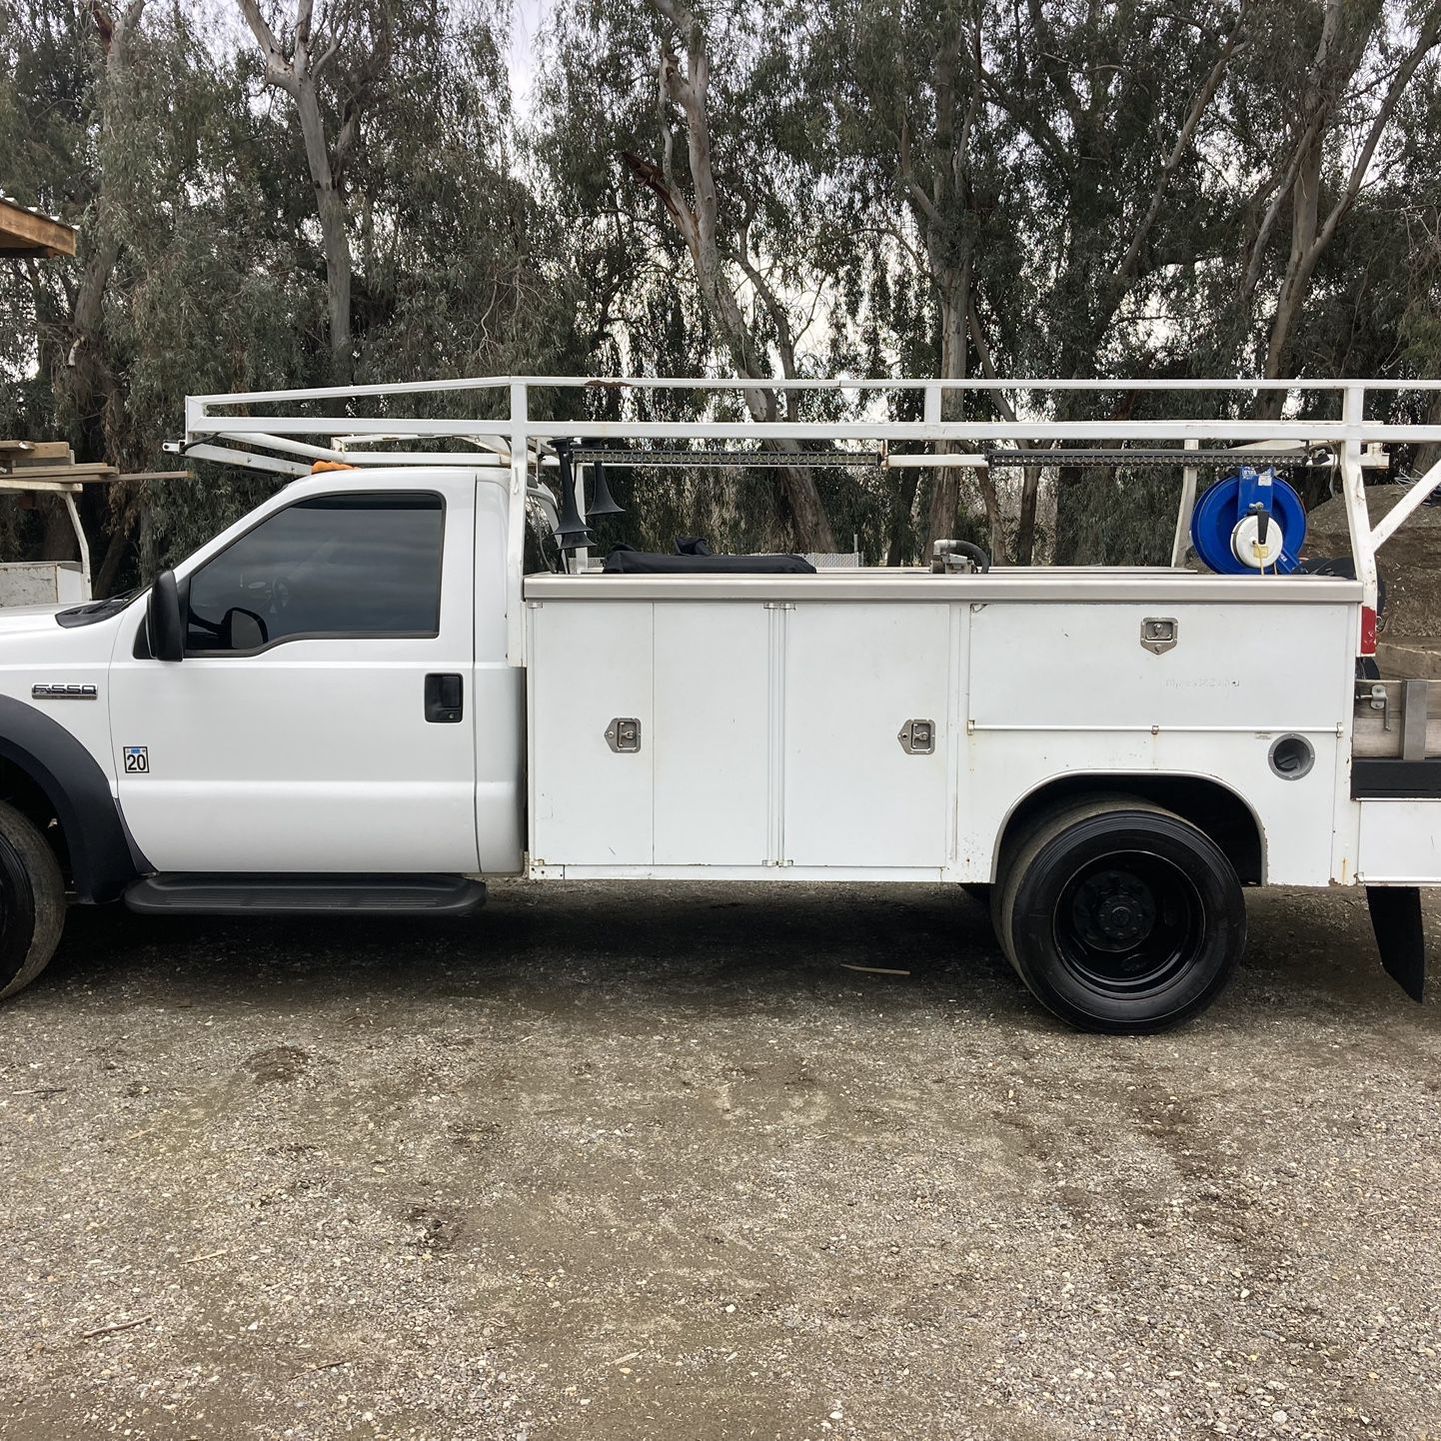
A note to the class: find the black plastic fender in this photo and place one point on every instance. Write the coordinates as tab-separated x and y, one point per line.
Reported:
1400	935
103	858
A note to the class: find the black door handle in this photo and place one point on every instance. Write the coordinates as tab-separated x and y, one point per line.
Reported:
444	699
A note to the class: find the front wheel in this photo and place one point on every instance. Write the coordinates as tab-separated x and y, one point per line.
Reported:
32	901
1119	915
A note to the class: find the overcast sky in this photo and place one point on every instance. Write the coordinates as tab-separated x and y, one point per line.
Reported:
529	16
228	31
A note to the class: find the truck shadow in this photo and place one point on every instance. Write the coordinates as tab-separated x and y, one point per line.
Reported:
742	946
687	947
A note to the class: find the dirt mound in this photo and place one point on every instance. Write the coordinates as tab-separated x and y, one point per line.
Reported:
1410	562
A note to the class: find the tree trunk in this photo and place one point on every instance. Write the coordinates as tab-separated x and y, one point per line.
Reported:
946	488
809	521
1306	204
899	552
1428	454
103	580
298	74
1026	524
699	225
84	380
335	237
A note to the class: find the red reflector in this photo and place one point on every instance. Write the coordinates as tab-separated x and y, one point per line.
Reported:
1368	630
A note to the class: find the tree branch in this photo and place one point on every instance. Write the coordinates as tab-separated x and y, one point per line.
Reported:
278	69
655	181
780	317
1426	41
988	364
1252	276
917	190
1127	269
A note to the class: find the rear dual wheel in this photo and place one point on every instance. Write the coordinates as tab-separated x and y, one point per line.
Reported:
1119	915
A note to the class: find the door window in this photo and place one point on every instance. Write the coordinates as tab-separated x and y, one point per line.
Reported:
366	564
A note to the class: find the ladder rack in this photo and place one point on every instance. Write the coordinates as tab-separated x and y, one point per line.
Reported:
286	432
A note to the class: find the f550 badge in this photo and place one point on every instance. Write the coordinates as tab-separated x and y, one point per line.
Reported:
62	691
137	761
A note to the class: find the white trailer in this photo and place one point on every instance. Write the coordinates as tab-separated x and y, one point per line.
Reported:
355	698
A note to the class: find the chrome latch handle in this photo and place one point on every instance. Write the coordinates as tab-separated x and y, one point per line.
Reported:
918	737
622	735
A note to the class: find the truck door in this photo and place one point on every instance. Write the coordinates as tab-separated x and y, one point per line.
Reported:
321	720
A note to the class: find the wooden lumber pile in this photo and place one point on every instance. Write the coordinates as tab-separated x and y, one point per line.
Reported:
47	465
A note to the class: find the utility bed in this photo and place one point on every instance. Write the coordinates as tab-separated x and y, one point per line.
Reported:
771	713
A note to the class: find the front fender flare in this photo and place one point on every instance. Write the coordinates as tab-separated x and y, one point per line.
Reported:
103	858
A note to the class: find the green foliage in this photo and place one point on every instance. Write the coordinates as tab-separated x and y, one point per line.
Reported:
876	161
218	282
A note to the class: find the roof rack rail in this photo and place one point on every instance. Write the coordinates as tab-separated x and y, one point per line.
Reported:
518	441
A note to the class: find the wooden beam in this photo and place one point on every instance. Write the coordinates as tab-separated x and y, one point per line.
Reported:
23	233
44	487
89	474
35	452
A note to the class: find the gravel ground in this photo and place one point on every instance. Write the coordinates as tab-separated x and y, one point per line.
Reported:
651	1163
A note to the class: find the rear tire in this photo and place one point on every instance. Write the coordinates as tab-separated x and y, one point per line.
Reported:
1119	916
32	901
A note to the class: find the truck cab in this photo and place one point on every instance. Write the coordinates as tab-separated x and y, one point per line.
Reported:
344	692
338	706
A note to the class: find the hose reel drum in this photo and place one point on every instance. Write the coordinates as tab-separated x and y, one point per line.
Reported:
1248	523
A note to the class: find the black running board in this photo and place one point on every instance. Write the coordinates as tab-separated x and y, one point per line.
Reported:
320	895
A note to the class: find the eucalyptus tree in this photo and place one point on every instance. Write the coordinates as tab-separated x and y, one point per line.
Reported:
681	139
1315	123
330	69
67	127
1418	275
78	132
195	205
1050	162
909	106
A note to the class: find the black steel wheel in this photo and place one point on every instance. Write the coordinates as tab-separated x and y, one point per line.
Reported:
32	901
1119	915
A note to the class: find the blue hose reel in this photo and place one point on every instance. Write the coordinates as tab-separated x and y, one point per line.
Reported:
1248	523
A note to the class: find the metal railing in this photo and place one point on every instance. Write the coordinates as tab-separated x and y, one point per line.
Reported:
247	429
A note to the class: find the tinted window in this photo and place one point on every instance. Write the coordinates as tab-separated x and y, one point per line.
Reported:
335	565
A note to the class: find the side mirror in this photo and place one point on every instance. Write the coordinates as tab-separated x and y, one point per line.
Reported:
163	624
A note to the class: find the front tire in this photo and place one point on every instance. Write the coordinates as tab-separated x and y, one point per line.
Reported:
32	901
1120	916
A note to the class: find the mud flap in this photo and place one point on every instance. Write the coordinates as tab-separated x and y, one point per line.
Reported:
1396	919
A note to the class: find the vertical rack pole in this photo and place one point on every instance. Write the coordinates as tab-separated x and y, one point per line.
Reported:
932	417
1188	504
515	525
84	546
580	556
1353	482
933	405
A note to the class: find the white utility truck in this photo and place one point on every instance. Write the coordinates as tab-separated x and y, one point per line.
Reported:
355	698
